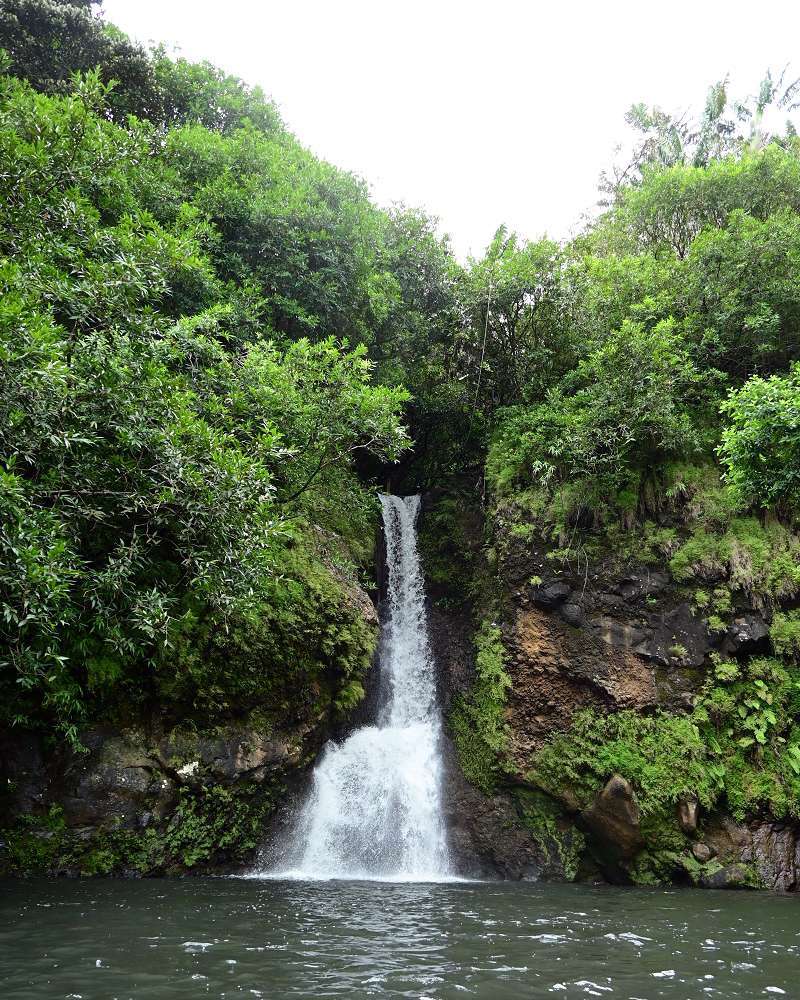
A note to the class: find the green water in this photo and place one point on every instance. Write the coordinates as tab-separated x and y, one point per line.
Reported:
241	938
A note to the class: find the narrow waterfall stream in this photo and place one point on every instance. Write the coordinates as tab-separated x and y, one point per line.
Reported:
374	811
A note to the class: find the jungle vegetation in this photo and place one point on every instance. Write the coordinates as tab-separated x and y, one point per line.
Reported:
213	344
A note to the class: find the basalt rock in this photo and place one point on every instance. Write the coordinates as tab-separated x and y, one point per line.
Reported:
551	595
767	851
614	821
688	810
572	614
702	852
557	669
747	634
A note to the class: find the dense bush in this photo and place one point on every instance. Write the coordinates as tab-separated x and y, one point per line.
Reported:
162	441
761	444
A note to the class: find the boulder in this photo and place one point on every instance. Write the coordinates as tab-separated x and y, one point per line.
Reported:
551	595
747	633
572	614
734	876
688	810
614	819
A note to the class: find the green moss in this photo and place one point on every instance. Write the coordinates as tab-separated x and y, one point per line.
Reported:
759	559
477	721
696	491
667	855
663	866
785	633
663	757
448	551
308	642
560	841
647	543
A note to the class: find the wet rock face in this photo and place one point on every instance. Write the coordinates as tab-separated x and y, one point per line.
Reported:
23	767
775	852
488	837
131	780
557	669
614	821
485	837
768	852
640	612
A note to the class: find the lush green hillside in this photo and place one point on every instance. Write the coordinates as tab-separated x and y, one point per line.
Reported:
212	344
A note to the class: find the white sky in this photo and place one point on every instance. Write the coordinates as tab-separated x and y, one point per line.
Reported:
481	113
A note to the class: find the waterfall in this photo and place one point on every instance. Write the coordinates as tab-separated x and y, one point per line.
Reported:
374	811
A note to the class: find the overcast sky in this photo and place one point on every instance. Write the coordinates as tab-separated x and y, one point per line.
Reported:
482	113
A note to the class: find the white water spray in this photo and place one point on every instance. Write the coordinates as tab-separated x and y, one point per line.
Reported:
375	806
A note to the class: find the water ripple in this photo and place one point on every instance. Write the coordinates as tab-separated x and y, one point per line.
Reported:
282	940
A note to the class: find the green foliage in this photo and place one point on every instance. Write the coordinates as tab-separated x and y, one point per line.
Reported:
761	559
663	756
742	282
159	444
561	843
516	343
48	41
672	206
785	634
748	719
725	127
761	446
741	746
598	437
477	720
215	819
35	842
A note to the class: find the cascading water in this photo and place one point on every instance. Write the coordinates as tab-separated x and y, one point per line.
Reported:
375	806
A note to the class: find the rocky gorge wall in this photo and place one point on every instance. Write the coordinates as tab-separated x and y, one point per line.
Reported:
616	642
525	647
164	793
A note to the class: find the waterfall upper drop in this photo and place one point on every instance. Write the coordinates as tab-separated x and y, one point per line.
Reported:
374	811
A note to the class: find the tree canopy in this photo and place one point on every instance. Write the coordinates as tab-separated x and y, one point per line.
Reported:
212	342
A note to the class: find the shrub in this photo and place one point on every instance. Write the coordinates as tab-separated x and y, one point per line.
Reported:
761	444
